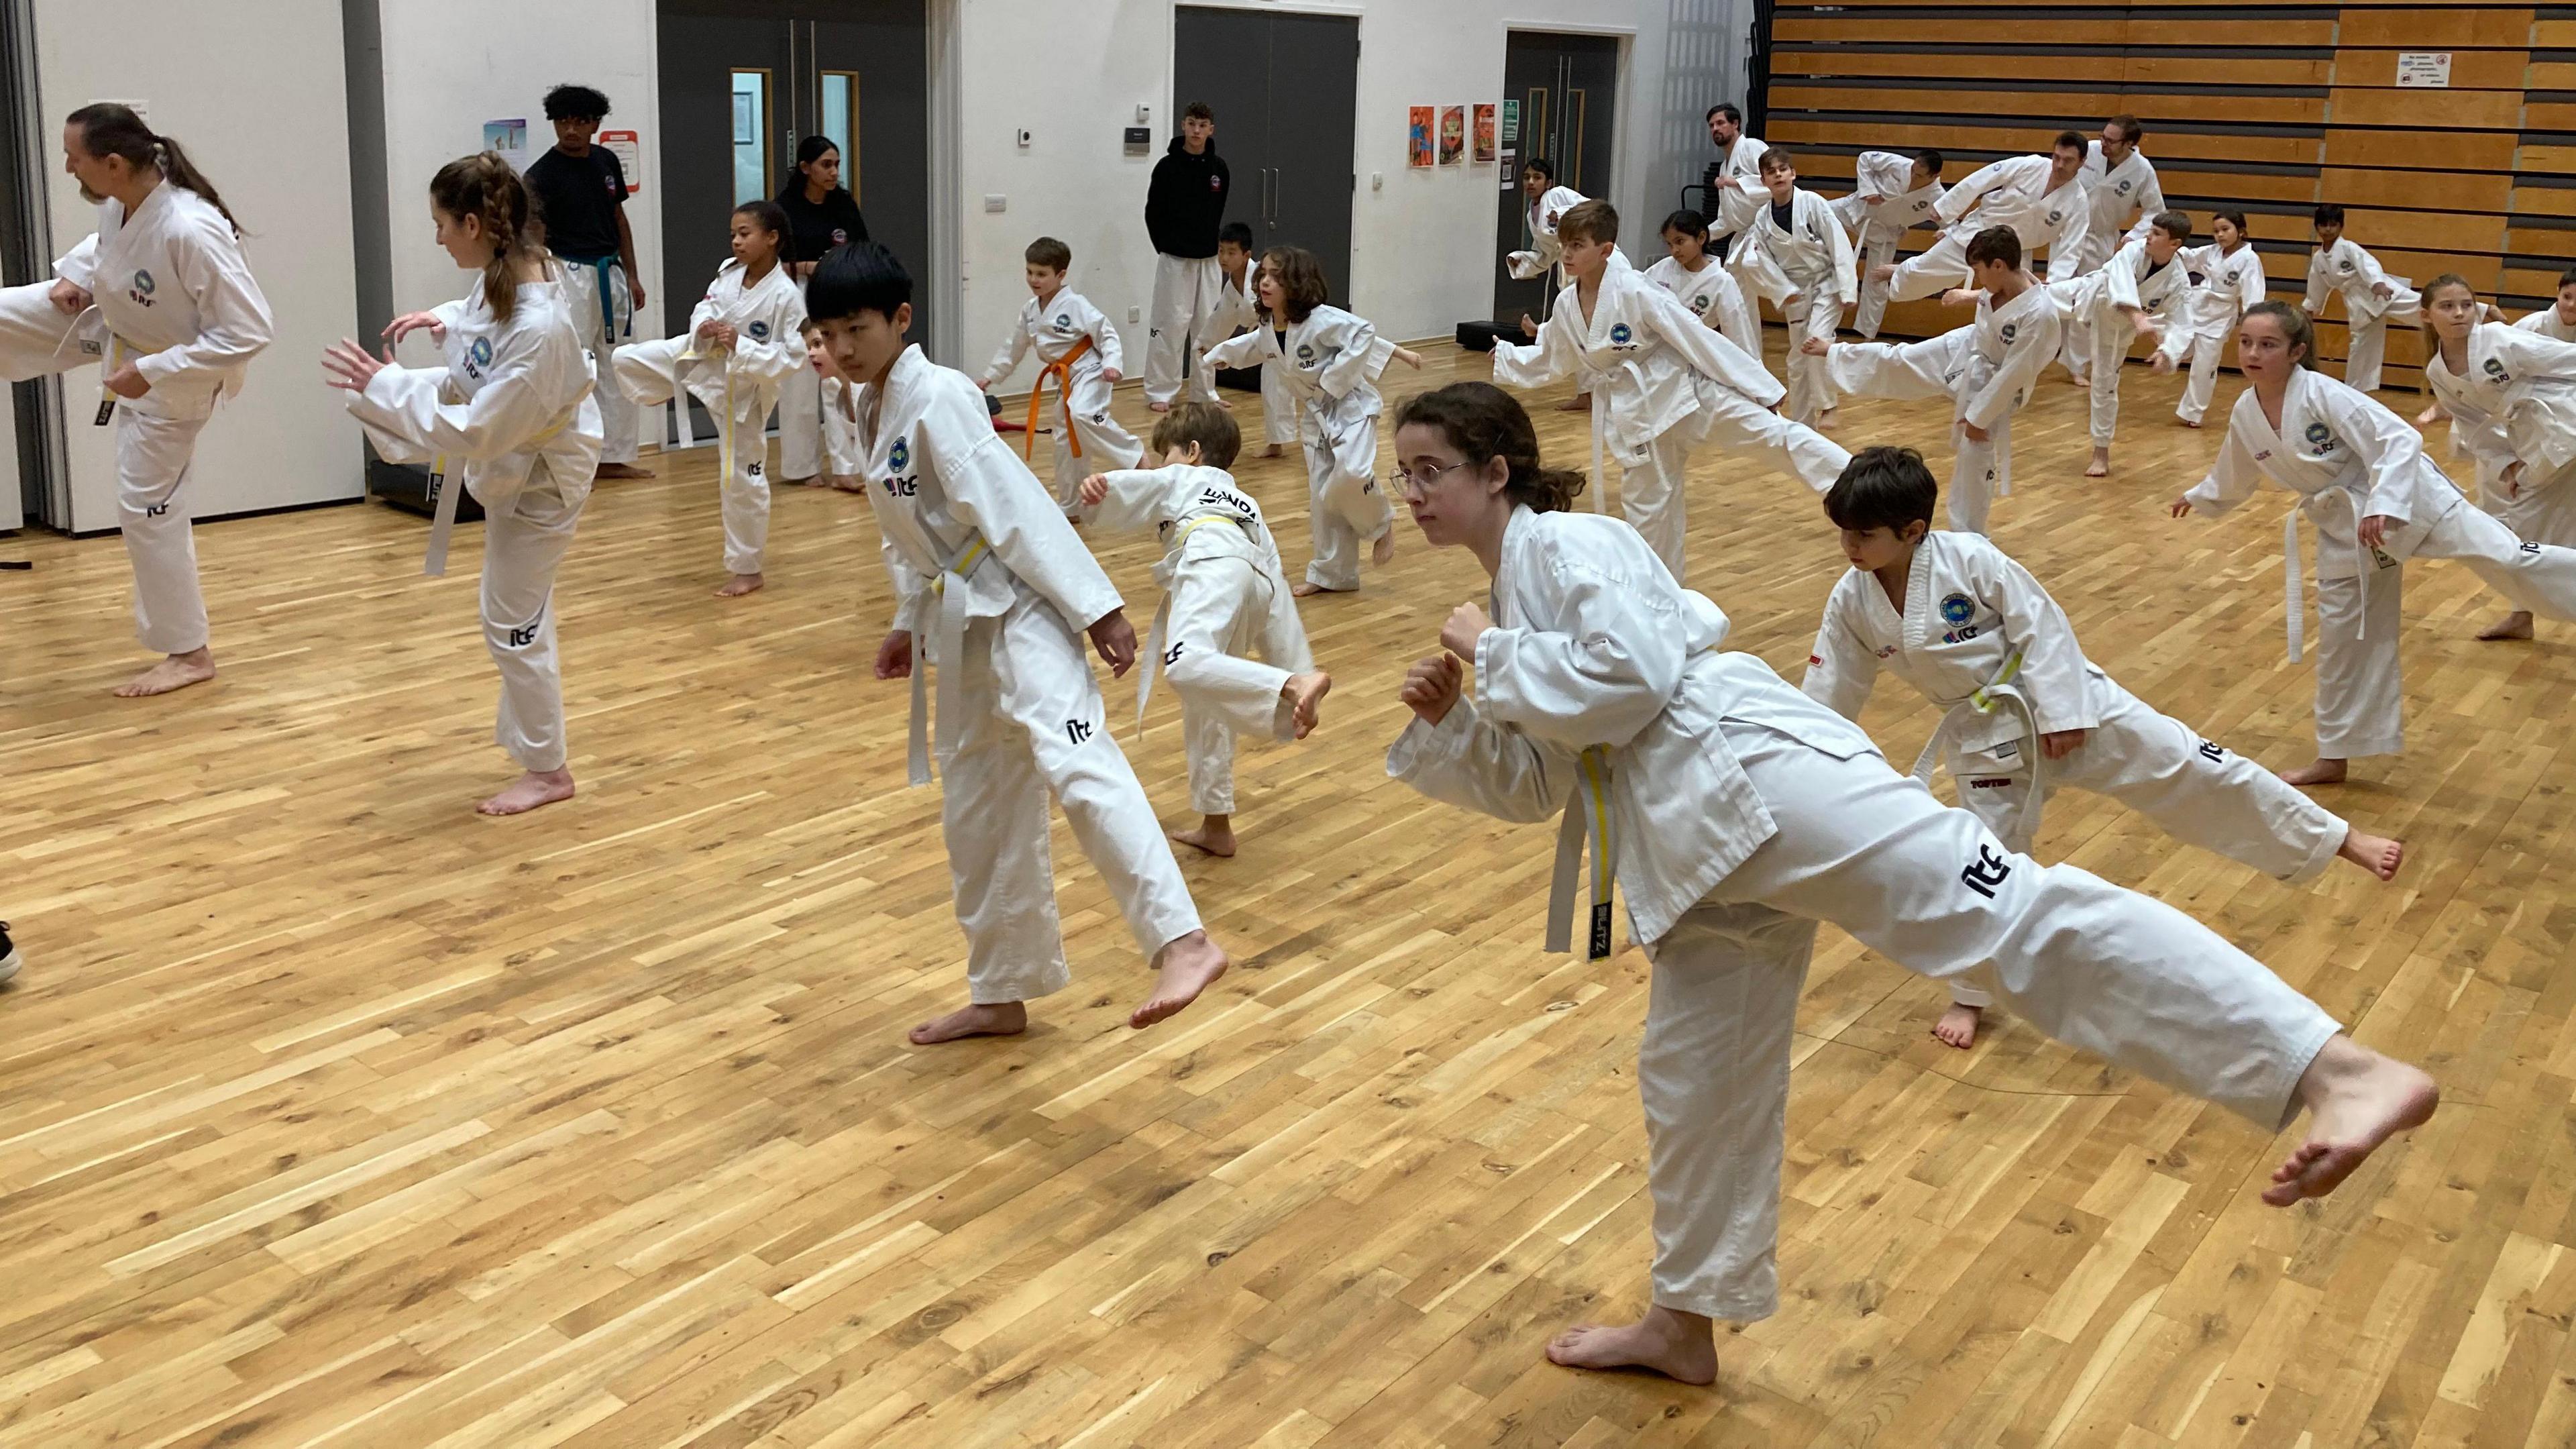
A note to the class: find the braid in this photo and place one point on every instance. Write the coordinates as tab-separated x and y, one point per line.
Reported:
485	188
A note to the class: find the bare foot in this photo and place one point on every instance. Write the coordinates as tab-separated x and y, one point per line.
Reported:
2077	379
1182	970
176	672
1958	1025
1274	451
2356	1100
1672	1343
1815	347
739	585
1382	552
1826	422
2516	625
1215	835
622	470
810	480
849	483
2189	422
1304	692
2100	467
1162	407
1225	403
2320	771
1001	1018
2374	853
1409	358
2429	416
1308	588
1881	273
535	788
1581	402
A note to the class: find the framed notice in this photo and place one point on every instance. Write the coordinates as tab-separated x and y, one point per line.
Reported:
1417	139
1453	135
1482	128
510	138
2427	68
628	148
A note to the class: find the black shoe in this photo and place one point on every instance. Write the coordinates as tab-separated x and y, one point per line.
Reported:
9	959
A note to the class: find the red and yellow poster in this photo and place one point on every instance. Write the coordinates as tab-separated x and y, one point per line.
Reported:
1484	132
1417	141
1453	135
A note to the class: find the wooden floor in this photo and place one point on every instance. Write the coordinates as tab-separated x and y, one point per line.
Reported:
331	1114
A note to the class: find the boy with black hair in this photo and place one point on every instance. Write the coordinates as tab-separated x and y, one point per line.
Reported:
1077	349
987	571
581	212
2371	298
1225	598
2139	292
1972	631
1891	193
1987	369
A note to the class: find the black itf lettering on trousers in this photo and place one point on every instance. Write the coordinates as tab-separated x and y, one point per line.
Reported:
523	635
2211	753
1077	730
1985	873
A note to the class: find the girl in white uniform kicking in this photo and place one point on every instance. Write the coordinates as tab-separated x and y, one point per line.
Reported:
2511	394
162	300
1735	814
512	407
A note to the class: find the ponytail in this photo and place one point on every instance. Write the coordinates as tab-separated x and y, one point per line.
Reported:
484	187
108	129
1483	423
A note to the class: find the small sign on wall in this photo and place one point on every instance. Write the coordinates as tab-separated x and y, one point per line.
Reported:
2428	68
628	148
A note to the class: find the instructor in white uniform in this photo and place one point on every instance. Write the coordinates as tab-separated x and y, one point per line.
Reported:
1184	206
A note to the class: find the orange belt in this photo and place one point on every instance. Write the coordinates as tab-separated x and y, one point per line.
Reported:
1062	371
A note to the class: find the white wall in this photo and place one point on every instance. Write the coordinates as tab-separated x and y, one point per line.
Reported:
278	149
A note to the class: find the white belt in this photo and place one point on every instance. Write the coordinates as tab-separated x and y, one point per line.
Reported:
951	635
1998	691
442	499
1163	612
1601	422
1587	814
2294	582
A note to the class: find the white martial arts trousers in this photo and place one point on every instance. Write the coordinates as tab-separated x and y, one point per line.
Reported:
647	372
2366	347
1877	249
2205	347
2193	790
813	440
1936	268
1278	407
603	331
1032	723
1653	479
2543	510
2118	974
1811	383
1923	370
1186	293
2106	351
1347	509
1218	605
1082	411
525	537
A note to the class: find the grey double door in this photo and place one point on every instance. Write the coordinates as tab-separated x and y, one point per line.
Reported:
1285	89
1567	90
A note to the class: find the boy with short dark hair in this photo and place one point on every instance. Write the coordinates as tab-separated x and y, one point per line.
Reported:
2139	292
989	573
1795	254
2371	298
1971	630
1077	348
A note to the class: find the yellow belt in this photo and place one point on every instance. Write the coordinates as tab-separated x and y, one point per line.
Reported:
1587	815
119	349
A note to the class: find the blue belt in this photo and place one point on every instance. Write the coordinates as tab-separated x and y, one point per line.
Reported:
607	302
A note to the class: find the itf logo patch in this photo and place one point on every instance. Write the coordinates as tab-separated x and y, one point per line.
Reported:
1305	354
1956	610
143	282
900	457
479	356
759	331
1064	323
1619	334
2319	433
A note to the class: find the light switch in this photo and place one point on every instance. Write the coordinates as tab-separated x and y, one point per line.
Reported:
1135	314
1024	138
1377	181
995	201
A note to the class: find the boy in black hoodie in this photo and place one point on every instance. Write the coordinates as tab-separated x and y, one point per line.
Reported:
1183	209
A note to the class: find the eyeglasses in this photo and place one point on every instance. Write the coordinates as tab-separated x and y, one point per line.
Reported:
1403	479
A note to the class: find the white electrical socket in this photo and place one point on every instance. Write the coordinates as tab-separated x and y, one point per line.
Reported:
1377	181
1024	138
1135	314
995	201
1144	114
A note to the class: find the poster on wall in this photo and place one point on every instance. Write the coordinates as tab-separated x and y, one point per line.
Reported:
1453	135
510	138
628	148
2427	68
1483	129
1511	125
1417	140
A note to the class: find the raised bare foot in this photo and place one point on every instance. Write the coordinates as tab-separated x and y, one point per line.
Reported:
2374	853
535	788
1001	1018
1213	834
176	672
2516	625
622	470
739	585
2100	467
1677	1345
1382	552
1958	1025
2319	771
2356	1100
1184	968
1304	692
1409	358
1815	347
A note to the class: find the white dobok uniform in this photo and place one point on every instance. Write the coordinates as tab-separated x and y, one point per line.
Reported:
2013	192
1075	343
1184	306
2226	284
1714	297
1810	261
2113	195
603	315
1329	364
1238	311
814	433
1981	638
512	405
1735	813
1663	383
2130	279
1741	164
2348	458
1875	230
1545	256
1987	370
990	576
171	294
2514	410
1225	599
2547	323
2356	274
738	386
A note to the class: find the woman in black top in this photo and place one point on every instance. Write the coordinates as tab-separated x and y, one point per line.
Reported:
821	213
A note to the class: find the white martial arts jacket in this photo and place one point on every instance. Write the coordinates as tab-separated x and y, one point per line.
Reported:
1714	297
2348	269
964	525
512	395
1812	259
174	296
1886	174
2548	323
1646	360
2014	192
1055	328
1743	164
2347	458
2008	347
2111	191
2515	403
2229	282
2131	279
1236	307
1326	361
1200	515
1545	251
769	343
1598	692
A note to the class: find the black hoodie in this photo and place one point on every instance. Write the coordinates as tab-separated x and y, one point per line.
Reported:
1185	204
